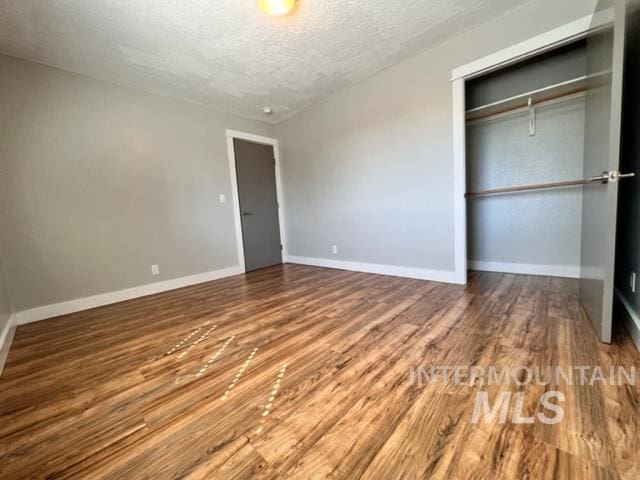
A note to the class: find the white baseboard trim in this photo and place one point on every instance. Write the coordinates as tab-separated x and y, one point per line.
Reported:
567	271
72	306
395	271
5	330
6	337
632	320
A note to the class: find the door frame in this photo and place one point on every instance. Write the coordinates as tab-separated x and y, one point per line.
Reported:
550	40
231	155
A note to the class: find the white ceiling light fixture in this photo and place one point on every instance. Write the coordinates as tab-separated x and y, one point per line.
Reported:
277	7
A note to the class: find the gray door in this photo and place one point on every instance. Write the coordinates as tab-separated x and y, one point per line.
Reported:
255	169
605	58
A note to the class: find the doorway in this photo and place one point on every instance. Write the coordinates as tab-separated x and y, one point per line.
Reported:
627	285
255	178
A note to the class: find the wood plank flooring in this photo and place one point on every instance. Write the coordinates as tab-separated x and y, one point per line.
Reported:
303	372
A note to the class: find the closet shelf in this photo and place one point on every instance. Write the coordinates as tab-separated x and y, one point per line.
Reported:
560	91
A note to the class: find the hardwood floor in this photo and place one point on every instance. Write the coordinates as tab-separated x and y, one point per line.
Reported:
303	372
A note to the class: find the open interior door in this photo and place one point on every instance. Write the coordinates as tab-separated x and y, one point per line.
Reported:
605	60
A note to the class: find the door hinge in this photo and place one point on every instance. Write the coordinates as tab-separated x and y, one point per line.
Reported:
280	246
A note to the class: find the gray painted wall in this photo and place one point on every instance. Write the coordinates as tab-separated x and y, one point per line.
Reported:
370	168
98	182
539	228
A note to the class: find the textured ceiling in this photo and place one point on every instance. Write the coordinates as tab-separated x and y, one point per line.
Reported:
228	54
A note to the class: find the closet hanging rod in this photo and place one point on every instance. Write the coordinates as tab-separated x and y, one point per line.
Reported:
604	178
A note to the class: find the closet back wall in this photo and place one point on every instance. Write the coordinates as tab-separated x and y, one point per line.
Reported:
533	231
539	228
99	182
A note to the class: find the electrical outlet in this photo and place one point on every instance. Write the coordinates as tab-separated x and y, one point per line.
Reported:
632	282
334	249
155	270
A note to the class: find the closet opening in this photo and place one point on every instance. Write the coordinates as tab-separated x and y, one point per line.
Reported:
525	138
540	140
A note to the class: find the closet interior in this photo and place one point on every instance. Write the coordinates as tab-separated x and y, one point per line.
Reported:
525	175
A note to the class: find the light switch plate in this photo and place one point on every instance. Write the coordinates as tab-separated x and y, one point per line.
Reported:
223	198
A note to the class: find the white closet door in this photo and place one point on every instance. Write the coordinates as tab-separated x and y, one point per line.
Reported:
605	59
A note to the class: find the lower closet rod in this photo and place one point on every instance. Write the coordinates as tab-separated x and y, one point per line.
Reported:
604	178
